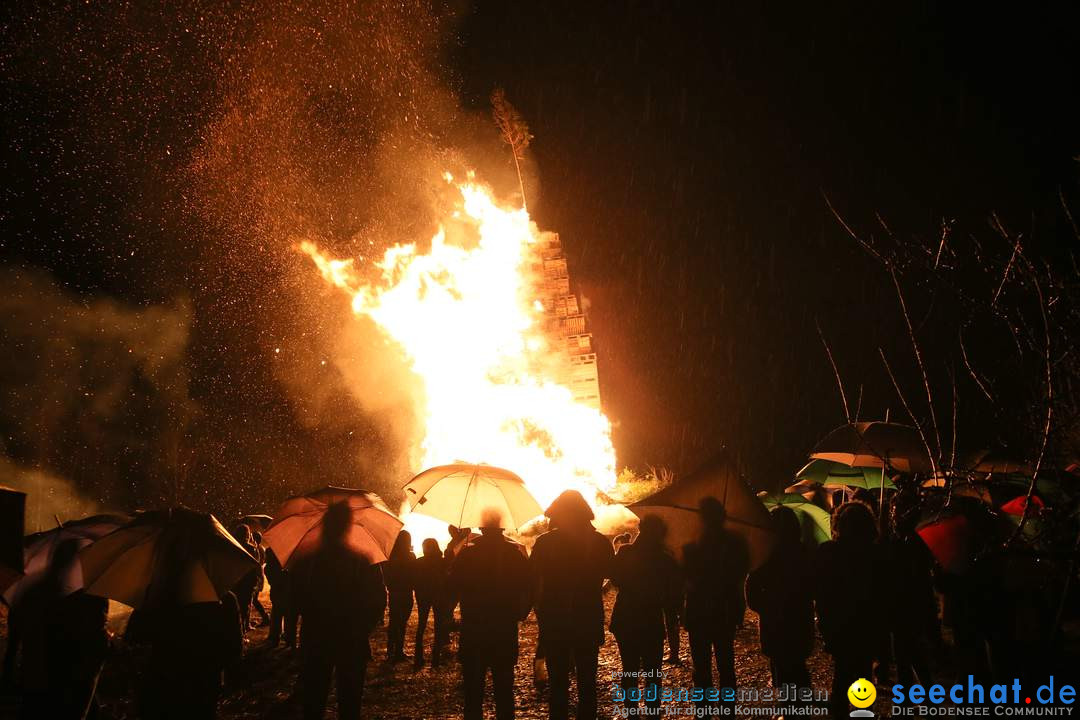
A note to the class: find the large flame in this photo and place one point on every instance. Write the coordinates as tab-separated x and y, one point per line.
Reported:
469	321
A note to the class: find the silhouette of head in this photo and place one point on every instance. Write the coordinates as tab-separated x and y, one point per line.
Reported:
713	513
491	521
569	510
242	533
402	544
336	523
256	537
854	523
431	548
786	525
653	530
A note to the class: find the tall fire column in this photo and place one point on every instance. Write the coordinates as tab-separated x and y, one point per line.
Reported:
566	323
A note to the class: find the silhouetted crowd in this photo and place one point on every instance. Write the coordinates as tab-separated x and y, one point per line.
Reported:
874	601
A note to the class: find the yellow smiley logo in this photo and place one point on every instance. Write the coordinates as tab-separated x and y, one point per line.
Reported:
862	693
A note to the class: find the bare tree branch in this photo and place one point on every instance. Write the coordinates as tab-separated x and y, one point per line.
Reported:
1012	259
971	370
836	371
851	232
918	359
904	402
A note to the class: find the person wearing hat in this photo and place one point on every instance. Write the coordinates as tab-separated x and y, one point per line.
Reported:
570	563
490	578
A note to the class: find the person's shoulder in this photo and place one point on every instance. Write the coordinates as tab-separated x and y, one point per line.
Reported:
544	540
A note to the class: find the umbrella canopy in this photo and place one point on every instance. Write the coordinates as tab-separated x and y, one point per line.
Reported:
949	539
832	474
165	557
815	521
297	530
1018	505
40	550
872	444
12	519
678	503
996	462
257	522
459	495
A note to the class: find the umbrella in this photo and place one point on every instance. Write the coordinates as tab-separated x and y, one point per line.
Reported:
40	549
1019	504
832	474
815	521
872	444
677	505
260	522
996	462
12	518
949	539
175	556
298	528
459	494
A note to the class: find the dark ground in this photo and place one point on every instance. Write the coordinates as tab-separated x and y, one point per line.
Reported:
397	691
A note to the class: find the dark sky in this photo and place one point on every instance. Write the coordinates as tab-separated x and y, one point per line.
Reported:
682	150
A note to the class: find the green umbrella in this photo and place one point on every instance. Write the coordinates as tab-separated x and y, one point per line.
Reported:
814	520
833	474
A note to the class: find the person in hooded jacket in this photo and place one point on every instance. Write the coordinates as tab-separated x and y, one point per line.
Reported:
570	563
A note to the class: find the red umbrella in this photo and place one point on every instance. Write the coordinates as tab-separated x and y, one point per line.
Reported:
297	529
1017	505
949	540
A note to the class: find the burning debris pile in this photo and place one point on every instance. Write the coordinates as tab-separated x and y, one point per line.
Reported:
496	341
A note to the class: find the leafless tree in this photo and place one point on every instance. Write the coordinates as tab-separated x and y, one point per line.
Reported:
514	131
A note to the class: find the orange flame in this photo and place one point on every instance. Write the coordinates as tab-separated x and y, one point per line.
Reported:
468	319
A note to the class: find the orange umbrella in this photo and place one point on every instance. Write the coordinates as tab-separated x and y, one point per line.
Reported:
297	529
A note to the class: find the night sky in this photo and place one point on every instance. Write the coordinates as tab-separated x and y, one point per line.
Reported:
158	165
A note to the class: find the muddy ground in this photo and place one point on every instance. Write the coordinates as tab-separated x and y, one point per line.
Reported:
399	691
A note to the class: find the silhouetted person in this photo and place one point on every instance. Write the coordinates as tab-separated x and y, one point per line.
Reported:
781	593
570	563
283	614
64	642
191	647
431	591
849	593
341	597
260	555
245	588
398	572
715	572
912	604
671	628
647	577
491	579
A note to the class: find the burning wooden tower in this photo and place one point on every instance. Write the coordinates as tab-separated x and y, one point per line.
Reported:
566	323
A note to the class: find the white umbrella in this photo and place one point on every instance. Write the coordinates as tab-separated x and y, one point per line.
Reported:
460	494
